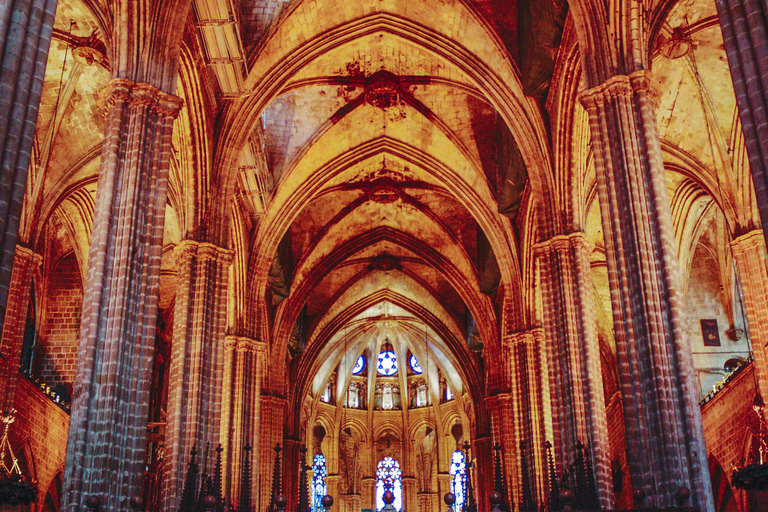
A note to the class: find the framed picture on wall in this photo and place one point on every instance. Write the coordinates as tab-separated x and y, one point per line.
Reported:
711	333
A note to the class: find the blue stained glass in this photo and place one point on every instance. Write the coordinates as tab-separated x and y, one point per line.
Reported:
359	366
319	489
459	481
387	363
415	366
389	478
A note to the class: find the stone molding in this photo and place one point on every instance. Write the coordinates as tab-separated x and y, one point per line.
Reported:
125	91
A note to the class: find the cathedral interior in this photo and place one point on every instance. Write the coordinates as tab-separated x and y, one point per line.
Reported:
502	249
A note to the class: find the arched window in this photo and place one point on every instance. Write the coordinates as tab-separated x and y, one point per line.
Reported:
319	489
458	479
359	366
389	478
415	366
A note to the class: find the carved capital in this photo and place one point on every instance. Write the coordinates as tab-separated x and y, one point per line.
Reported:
620	86
121	91
527	337
564	243
748	243
202	251
245	345
26	256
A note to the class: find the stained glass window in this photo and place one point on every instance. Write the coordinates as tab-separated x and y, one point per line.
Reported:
458	479
415	366
359	366
387	363
319	489
389	478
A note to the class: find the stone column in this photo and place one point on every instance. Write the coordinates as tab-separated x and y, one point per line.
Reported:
523	370
368	492
664	429
443	487
745	35
24	265
272	418
410	489
573	352
25	37
107	436
291	470
749	255
243	360
197	362
349	503
482	477
502	411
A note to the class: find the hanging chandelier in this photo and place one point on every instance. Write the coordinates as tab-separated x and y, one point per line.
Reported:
15	487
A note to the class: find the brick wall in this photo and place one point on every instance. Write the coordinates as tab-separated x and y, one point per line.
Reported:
42	427
728	418
57	354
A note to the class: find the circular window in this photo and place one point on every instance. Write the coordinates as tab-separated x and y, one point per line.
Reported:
387	363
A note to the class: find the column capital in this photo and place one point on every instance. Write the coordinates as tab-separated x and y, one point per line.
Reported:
748	242
243	344
562	243
503	396
526	337
125	91
620	86
204	251
26	254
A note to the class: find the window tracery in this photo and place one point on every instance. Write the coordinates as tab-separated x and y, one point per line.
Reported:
319	488
389	478
458	472
387	363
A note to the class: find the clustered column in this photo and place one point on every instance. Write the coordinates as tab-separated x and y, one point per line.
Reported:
24	265
573	354
744	24
750	256
665	435
522	413
107	436
25	37
197	361
272	416
244	361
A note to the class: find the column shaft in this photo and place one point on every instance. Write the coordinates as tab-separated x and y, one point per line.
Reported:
272	418
25	37
744	24
749	254
522	367
664	429
107	436
575	377
241	415
197	362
